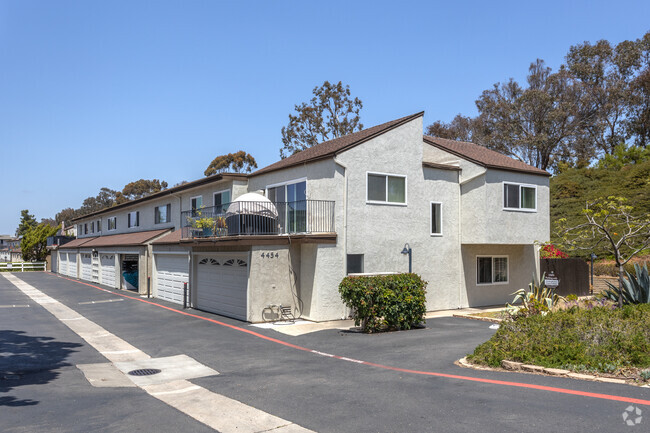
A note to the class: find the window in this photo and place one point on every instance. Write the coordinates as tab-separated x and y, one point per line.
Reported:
92	227
355	264
162	214
386	188
492	270
133	219
436	218
292	200
85	228
221	199
112	223
520	197
99	225
196	203
80	229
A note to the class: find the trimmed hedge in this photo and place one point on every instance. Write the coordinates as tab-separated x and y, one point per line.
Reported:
389	302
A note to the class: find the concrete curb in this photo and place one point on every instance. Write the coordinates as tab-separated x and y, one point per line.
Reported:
482	319
512	366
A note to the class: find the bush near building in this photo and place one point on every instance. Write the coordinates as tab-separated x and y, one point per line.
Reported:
385	302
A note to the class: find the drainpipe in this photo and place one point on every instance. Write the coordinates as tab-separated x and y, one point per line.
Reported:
345	214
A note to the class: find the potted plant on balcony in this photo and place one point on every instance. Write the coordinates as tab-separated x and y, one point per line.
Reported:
221	229
207	224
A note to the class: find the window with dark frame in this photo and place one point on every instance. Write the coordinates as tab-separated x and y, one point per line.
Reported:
112	223
518	196
133	219
355	264
162	214
436	218
491	270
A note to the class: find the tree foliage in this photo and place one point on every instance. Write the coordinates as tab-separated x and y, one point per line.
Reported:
596	102
27	221
237	162
331	113
34	242
141	188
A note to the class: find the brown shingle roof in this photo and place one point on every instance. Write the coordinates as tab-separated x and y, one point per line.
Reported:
170	238
121	240
482	155
328	149
76	243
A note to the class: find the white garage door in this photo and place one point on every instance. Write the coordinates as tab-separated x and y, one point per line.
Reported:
86	267
72	265
221	284
63	263
107	261
172	272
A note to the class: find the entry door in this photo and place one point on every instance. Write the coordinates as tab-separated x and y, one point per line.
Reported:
222	284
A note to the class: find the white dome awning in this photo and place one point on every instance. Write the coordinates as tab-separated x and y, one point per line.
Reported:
252	204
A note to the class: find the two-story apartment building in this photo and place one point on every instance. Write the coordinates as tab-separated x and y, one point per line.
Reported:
288	233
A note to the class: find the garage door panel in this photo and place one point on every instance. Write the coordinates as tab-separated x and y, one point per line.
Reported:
222	282
107	265
172	272
72	265
86	267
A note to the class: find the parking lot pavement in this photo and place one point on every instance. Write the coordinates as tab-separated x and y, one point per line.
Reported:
293	378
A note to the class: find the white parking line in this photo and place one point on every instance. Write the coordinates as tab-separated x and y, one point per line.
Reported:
214	410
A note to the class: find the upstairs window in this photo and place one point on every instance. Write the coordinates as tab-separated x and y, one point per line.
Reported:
92	227
99	225
196	203
162	214
112	223
133	219
492	270
519	197
85	228
386	188
436	218
221	200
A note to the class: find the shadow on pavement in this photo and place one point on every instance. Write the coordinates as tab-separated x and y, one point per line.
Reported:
27	360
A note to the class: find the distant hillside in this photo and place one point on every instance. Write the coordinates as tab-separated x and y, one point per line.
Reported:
572	188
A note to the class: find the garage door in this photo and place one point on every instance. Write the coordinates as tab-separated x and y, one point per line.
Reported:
171	274
72	265
107	262
221	284
86	267
63	263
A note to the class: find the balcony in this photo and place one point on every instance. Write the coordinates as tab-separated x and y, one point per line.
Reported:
241	218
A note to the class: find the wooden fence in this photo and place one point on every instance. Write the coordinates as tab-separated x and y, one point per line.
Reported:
573	275
22	266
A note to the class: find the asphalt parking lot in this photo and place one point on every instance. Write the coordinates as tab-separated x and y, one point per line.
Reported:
408	381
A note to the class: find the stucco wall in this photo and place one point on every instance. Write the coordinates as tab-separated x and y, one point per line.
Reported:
485	220
521	267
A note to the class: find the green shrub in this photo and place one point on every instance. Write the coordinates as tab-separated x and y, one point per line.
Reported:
635	289
610	269
385	301
597	339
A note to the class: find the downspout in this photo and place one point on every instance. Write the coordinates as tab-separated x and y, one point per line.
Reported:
460	231
345	214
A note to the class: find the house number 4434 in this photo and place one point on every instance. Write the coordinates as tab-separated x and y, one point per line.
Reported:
270	255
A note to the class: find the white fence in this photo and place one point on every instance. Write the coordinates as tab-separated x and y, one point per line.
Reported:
22	266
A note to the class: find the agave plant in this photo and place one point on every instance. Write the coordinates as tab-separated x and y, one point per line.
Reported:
536	295
635	288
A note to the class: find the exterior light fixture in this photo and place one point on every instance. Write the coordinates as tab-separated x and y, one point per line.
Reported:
407	250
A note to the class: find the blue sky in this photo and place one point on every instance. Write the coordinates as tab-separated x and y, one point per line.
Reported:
96	94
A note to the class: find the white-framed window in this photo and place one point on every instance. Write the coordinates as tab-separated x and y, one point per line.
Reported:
196	203
162	214
221	199
385	188
290	191
519	196
436	218
133	219
492	270
99	226
112	223
92	227
80	229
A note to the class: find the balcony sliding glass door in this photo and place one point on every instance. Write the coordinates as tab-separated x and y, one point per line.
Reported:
291	201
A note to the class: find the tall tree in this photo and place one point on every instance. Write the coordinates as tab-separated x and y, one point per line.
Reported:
66	216
540	124
27	221
34	242
638	122
460	128
331	113
237	162
106	198
142	188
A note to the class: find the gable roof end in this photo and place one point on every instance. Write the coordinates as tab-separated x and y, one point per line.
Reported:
483	156
327	149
